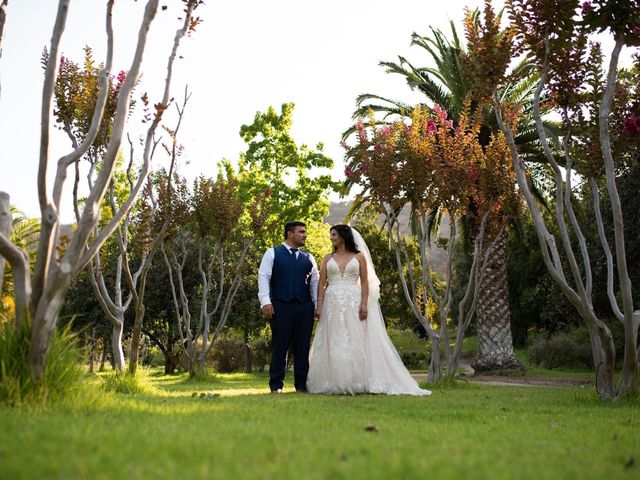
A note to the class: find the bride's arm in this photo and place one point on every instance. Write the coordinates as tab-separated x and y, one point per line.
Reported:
322	284
364	286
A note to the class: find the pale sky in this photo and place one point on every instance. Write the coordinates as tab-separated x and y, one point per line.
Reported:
244	57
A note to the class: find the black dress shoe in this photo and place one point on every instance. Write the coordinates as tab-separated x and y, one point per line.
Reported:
276	390
302	390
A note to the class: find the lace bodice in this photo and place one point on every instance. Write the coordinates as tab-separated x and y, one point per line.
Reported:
349	276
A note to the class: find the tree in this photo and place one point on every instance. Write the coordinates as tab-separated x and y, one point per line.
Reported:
41	295
275	168
432	164
215	217
75	94
449	84
571	73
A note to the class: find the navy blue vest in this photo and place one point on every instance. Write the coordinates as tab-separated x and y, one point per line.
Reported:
291	276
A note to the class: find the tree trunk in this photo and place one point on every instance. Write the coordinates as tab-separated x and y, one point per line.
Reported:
103	355
170	358
435	368
136	333
6	223
248	361
495	343
117	354
630	378
92	341
44	323
191	358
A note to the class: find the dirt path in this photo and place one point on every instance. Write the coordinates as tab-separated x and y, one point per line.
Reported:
468	374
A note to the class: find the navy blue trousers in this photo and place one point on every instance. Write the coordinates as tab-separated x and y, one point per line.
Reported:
291	325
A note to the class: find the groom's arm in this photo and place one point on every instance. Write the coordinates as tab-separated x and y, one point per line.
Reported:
264	278
313	283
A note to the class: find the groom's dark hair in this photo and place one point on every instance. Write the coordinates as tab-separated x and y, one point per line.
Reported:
291	227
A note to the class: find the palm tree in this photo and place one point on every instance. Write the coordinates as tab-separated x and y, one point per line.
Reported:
448	85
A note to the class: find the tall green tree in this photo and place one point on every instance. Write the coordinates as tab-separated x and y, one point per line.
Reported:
275	167
294	184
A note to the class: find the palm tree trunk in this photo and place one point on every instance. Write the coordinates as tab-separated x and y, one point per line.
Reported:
495	344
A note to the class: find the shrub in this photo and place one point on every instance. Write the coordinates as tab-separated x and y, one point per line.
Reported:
564	349
261	351
413	360
153	357
228	353
62	374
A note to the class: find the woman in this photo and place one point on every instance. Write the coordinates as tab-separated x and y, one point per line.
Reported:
351	351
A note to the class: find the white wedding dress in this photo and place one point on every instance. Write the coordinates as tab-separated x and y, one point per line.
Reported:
350	356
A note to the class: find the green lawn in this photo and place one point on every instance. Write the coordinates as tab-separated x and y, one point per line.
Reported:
465	431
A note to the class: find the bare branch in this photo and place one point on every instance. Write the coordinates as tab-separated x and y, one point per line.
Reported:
616	206
607	250
221	283
101	293
47	211
174	296
19	261
96	120
560	201
3	21
572	216
233	289
76	257
546	240
149	143
411	300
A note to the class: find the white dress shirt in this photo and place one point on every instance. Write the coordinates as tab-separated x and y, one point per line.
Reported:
266	269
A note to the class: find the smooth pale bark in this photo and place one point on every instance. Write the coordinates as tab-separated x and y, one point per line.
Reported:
3	22
6	224
408	282
113	308
180	302
52	275
630	379
207	344
52	278
117	354
493	321
138	288
444	301
601	340
19	260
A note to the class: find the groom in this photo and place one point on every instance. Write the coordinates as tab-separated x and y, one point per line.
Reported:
287	288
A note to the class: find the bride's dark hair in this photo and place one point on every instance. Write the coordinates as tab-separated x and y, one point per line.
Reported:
344	231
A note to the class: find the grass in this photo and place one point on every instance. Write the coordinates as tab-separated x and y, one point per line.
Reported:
461	431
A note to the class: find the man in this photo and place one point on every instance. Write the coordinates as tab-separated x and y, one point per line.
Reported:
287	288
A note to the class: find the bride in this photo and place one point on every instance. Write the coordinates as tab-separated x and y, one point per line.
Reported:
351	351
